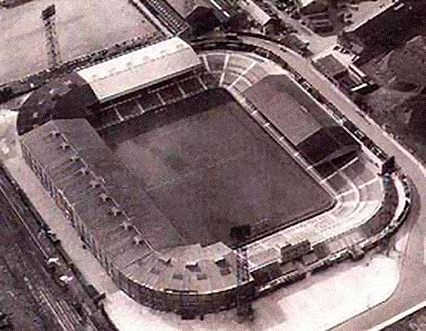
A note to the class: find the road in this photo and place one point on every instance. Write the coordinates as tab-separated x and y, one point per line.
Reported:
412	288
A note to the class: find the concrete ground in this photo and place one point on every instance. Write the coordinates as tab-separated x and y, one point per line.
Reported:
317	303
83	26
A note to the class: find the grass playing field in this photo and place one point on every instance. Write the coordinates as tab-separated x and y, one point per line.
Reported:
208	166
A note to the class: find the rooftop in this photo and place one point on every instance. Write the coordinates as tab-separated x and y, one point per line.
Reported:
331	65
141	68
371	10
300	119
257	13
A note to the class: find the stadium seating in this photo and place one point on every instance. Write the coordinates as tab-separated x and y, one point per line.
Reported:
191	85
150	99
359	195
236	70
170	94
129	109
104	119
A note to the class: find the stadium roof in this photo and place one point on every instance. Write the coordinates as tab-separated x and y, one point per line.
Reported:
141	68
63	98
184	10
66	148
299	118
272	96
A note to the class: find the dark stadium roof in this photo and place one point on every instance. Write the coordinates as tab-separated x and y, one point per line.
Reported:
313	132
103	167
63	98
327	144
135	236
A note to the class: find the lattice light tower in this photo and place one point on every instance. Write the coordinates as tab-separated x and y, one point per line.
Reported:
48	16
239	234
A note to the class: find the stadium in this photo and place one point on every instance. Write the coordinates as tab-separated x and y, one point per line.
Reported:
154	156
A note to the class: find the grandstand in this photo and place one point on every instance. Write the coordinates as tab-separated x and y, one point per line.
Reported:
136	70
154	167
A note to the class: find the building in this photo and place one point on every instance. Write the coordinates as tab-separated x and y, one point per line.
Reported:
307	7
140	69
331	67
379	28
266	22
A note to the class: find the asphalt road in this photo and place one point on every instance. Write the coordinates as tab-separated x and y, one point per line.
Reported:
412	288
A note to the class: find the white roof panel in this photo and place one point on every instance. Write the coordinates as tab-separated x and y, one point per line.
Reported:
140	68
257	13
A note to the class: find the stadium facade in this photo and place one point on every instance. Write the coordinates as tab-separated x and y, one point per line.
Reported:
142	250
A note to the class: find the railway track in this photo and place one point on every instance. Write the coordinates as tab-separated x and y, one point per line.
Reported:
25	261
166	15
18	212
